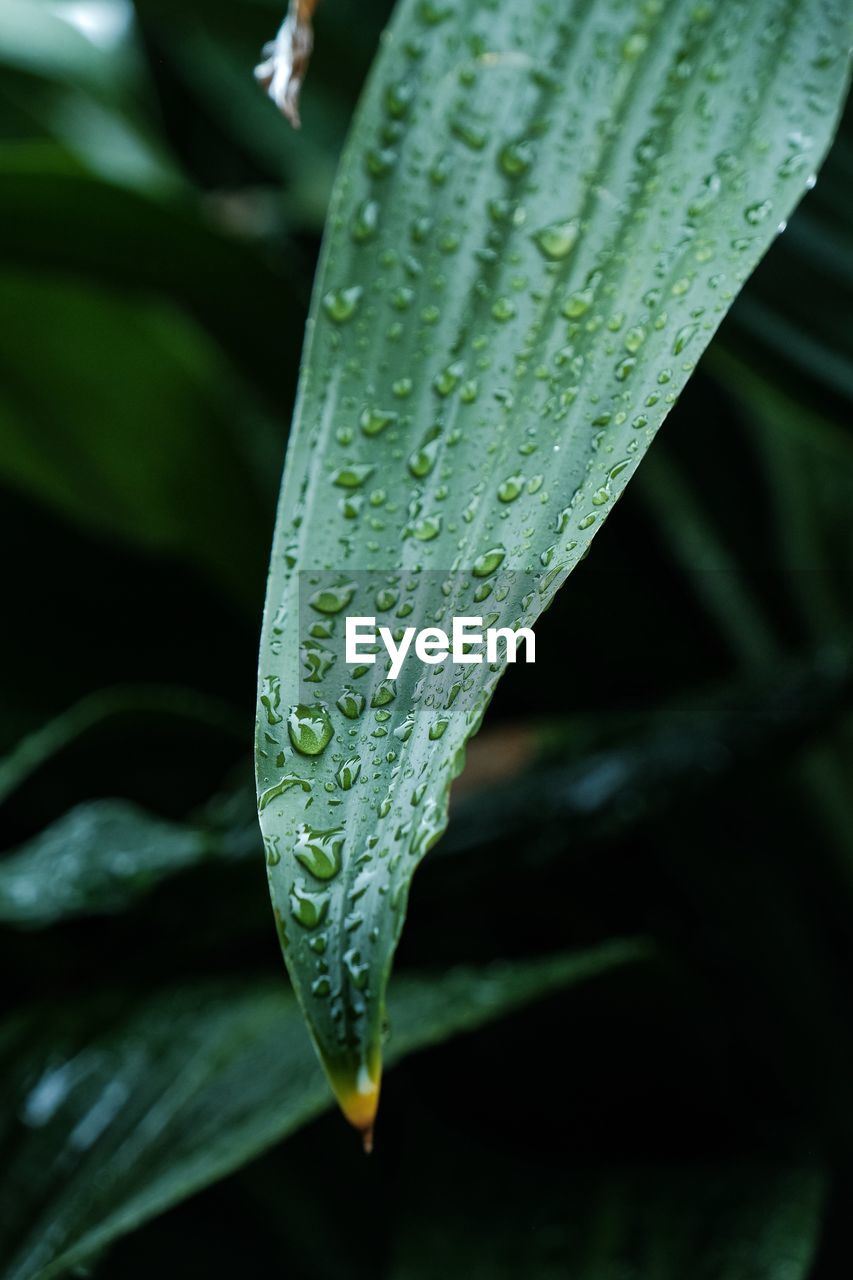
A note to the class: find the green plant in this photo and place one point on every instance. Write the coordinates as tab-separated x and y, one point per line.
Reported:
648	861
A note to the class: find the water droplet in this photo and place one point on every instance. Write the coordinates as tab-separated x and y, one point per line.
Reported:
380	161
340	304
278	788
316	659
309	728
756	213
557	240
366	221
386	599
383	694
348	774
473	135
352	477
431	12
422	461
420	229
357	969
577	304
635	46
503	309
270	698
427	529
332	599
448	380
320	851
516	158
374	421
402	298
634	339
351	703
511	488
309	909
486	564
683	337
438	730
398	98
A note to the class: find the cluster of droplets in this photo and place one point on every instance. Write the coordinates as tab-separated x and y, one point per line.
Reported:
348	752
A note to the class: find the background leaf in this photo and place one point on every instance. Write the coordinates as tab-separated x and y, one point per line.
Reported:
162	1100
167	497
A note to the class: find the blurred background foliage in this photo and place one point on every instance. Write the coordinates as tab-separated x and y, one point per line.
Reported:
645	899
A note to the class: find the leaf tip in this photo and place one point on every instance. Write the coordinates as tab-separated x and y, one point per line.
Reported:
358	1098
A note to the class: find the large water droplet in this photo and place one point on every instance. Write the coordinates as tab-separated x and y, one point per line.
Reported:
427	529
348	774
309	728
486	564
278	788
332	599
422	461
577	304
309	909
511	488
320	851
383	694
351	703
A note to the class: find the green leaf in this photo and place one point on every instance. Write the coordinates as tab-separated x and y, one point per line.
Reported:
137	409
542	215
155	1104
37	39
100	857
74	76
79	225
37	748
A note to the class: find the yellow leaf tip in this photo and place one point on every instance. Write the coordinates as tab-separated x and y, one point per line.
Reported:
359	1103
